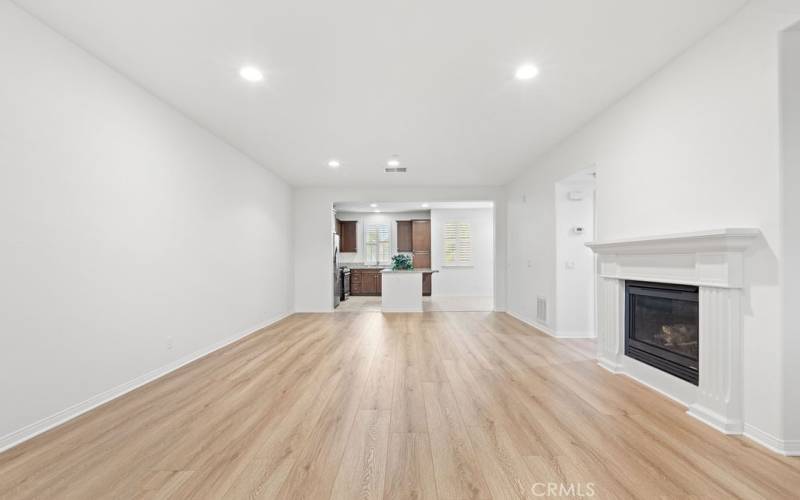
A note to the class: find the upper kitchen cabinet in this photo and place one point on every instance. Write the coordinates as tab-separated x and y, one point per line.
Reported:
348	241
404	242
421	235
415	236
421	242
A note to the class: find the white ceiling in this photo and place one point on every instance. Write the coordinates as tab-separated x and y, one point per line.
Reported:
360	80
391	207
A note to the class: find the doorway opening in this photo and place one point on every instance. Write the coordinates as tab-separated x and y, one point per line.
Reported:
451	244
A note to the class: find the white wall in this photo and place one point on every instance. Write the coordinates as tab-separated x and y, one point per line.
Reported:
313	250
362	219
574	261
790	183
695	147
477	279
123	225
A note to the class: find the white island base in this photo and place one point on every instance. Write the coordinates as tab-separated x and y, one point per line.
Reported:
401	290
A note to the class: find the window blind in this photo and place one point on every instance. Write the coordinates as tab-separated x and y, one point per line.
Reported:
457	243
377	244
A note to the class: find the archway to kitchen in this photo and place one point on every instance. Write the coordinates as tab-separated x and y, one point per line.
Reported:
451	245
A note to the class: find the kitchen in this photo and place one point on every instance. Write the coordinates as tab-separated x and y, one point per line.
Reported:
368	235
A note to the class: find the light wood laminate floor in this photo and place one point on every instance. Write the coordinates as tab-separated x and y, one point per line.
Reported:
418	406
429	304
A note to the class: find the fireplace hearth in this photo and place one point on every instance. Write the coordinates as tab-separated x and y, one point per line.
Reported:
662	327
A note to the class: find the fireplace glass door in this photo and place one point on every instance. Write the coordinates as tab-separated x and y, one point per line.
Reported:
662	327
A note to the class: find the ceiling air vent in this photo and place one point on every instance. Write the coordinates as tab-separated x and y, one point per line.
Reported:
395	170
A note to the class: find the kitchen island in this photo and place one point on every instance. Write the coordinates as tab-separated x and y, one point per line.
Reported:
402	289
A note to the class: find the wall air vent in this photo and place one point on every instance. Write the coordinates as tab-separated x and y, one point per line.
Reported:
541	309
395	170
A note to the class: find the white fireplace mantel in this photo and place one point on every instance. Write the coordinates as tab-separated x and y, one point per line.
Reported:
715	240
712	260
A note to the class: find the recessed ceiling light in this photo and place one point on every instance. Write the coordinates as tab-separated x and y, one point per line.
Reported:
526	72
251	74
373	205
393	162
334	164
426	205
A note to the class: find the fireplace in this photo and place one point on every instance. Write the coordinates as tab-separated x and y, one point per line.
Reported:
714	261
662	327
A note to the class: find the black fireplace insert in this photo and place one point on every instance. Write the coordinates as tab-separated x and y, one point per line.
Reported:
662	327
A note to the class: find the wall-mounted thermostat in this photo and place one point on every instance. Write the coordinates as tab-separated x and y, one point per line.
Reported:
577	229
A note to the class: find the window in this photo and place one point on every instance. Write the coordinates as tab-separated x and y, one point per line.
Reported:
377	245
457	244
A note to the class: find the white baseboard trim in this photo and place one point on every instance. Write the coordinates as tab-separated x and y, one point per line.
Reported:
610	365
714	419
789	448
650	386
575	335
530	322
29	431
546	329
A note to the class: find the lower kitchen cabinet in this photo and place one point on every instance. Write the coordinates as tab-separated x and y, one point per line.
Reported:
427	284
365	282
370	282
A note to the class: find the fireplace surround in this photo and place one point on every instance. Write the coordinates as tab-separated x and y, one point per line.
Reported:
712	262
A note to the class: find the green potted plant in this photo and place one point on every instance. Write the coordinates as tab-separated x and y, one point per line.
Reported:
402	262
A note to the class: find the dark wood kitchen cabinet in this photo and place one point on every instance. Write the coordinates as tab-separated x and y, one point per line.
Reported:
355	282
365	282
368	285
378	283
421	243
427	284
348	241
415	236
404	242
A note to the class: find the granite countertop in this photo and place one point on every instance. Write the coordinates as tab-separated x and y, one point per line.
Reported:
355	265
421	270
